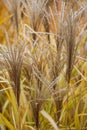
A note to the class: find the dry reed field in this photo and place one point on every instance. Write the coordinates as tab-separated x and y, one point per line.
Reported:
43	64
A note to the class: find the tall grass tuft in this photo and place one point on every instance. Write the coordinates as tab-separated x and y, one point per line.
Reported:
43	86
12	60
36	90
35	12
70	41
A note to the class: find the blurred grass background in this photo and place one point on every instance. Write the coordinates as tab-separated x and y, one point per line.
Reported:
43	65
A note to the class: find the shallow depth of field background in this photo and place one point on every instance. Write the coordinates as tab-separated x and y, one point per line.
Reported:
43	64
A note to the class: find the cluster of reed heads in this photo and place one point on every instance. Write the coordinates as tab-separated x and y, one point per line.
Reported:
40	52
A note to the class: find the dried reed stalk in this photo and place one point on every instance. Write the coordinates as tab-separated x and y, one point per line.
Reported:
35	93
12	60
56	58
70	41
34	11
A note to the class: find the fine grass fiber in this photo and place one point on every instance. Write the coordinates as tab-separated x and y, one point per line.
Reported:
43	65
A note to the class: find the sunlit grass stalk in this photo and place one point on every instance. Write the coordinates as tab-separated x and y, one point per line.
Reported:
35	13
71	47
12	59
46	20
35	96
57	59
